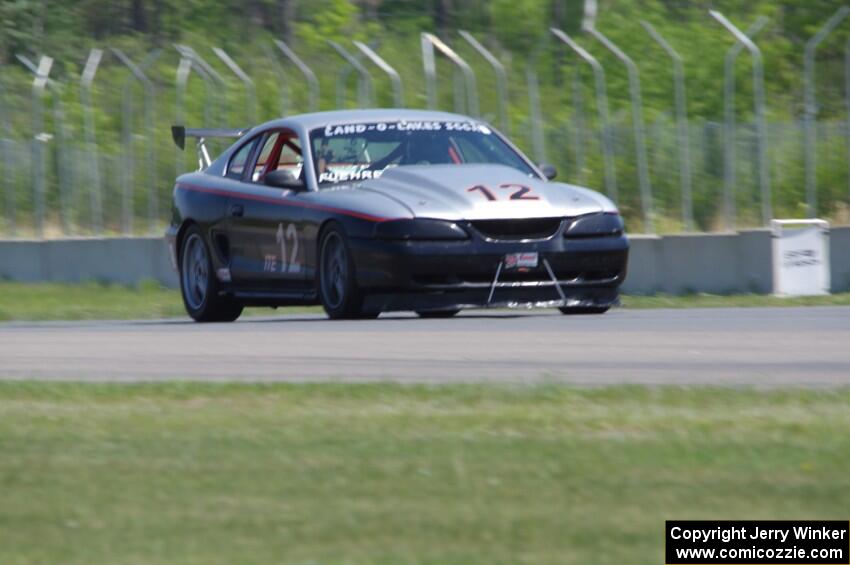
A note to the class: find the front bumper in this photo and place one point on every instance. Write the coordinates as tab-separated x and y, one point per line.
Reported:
433	275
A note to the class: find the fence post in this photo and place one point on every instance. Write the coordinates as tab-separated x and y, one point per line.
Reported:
579	126
127	133
181	78
61	137
281	77
95	189
758	101
341	85
209	86
395	78
64	181
637	126
150	154
730	143
601	110
847	105
210	76
189	60
364	79
8	177
430	67
312	81
538	138
681	125
250	90
810	135
501	79
39	136
429	43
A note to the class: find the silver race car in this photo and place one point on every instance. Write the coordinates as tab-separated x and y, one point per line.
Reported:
379	210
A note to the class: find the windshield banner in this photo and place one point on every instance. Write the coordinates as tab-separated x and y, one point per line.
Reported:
405	125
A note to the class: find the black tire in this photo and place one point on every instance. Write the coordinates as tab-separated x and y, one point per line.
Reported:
338	291
199	286
432	314
585	310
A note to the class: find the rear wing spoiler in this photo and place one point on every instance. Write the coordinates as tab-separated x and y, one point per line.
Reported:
180	133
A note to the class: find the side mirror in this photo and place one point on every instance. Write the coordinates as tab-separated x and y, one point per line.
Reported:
549	171
283	178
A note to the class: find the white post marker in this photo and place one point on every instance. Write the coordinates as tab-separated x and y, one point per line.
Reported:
800	257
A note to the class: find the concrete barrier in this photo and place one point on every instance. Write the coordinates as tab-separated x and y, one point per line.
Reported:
644	266
721	263
111	260
717	263
839	258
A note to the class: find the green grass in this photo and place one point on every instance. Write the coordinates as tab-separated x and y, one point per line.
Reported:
92	301
192	473
732	301
53	301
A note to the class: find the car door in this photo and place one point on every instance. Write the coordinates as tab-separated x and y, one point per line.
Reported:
266	223
238	248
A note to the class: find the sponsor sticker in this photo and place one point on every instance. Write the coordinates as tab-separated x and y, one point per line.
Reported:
528	260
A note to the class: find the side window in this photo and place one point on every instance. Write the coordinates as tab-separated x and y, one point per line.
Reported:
290	156
265	153
236	166
280	150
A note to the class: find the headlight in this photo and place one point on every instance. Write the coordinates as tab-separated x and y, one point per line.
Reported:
419	229
595	225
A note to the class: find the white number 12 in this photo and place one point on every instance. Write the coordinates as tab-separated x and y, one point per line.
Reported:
294	265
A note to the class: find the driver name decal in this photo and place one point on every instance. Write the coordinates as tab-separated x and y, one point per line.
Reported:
360	172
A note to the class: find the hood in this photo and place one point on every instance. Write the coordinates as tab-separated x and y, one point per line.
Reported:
482	192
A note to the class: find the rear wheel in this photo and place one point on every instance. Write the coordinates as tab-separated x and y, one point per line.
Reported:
585	310
199	286
438	313
338	290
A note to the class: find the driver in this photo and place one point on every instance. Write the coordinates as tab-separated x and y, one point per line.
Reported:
325	156
430	150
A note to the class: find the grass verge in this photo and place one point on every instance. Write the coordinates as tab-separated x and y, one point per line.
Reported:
92	301
202	473
732	301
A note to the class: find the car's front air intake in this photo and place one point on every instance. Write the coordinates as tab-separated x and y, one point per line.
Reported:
513	230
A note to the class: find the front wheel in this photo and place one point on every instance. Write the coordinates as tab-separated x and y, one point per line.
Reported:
338	290
199	286
584	310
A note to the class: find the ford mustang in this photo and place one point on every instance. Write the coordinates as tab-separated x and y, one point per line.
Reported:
373	211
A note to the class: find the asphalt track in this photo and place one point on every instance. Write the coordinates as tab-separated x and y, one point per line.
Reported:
749	346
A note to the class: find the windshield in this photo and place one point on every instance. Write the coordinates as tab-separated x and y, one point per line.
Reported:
351	152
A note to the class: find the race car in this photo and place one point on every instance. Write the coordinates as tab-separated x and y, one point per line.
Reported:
373	211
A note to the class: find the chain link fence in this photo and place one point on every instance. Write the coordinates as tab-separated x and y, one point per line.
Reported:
86	147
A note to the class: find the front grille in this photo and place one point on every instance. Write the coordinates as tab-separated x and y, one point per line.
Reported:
513	230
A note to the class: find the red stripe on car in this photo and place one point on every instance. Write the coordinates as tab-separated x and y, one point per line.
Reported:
285	202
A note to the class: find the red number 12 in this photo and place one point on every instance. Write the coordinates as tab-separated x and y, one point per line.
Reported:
521	192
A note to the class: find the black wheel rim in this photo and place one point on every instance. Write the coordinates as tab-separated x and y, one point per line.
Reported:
195	271
334	271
